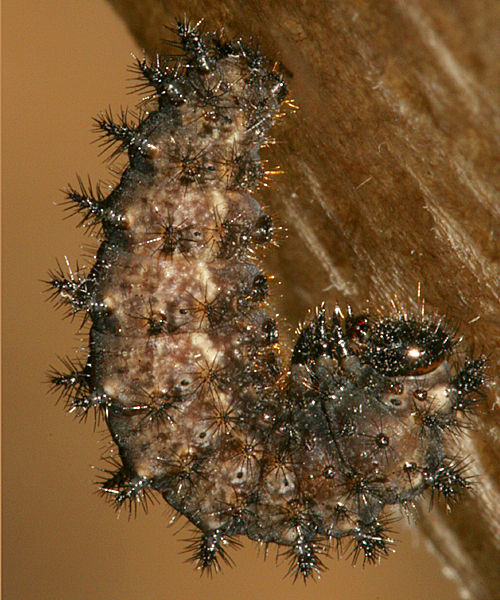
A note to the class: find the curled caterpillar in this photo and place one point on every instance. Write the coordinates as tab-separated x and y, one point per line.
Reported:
184	362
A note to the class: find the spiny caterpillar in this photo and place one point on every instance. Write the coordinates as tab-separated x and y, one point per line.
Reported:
184	362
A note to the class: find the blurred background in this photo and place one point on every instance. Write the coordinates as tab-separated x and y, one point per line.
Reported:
63	63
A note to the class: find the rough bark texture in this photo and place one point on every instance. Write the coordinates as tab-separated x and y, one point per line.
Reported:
391	179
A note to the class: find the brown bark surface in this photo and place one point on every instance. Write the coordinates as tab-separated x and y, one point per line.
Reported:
391	179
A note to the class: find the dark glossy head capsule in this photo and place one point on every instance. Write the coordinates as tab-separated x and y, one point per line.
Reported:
403	346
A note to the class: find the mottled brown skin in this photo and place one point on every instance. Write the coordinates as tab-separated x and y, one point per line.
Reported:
184	359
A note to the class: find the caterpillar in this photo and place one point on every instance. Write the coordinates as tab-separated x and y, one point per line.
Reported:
185	364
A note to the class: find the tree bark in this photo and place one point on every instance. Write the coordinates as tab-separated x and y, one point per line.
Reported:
391	182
